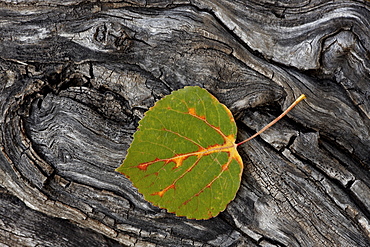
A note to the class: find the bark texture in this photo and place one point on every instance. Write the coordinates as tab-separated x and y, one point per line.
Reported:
77	76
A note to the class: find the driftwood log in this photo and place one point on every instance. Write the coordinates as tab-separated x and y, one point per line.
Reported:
77	76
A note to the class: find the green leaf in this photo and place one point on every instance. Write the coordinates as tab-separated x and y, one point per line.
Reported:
183	157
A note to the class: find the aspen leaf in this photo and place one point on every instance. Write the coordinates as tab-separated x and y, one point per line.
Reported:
184	157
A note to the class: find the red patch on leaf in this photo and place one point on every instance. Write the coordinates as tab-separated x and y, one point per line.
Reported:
191	111
225	167
144	166
162	192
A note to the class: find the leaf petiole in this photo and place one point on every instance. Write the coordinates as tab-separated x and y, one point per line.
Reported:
299	99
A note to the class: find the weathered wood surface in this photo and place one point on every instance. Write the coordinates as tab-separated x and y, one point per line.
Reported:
76	77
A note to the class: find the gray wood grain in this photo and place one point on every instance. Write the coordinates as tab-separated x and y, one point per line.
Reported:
76	77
